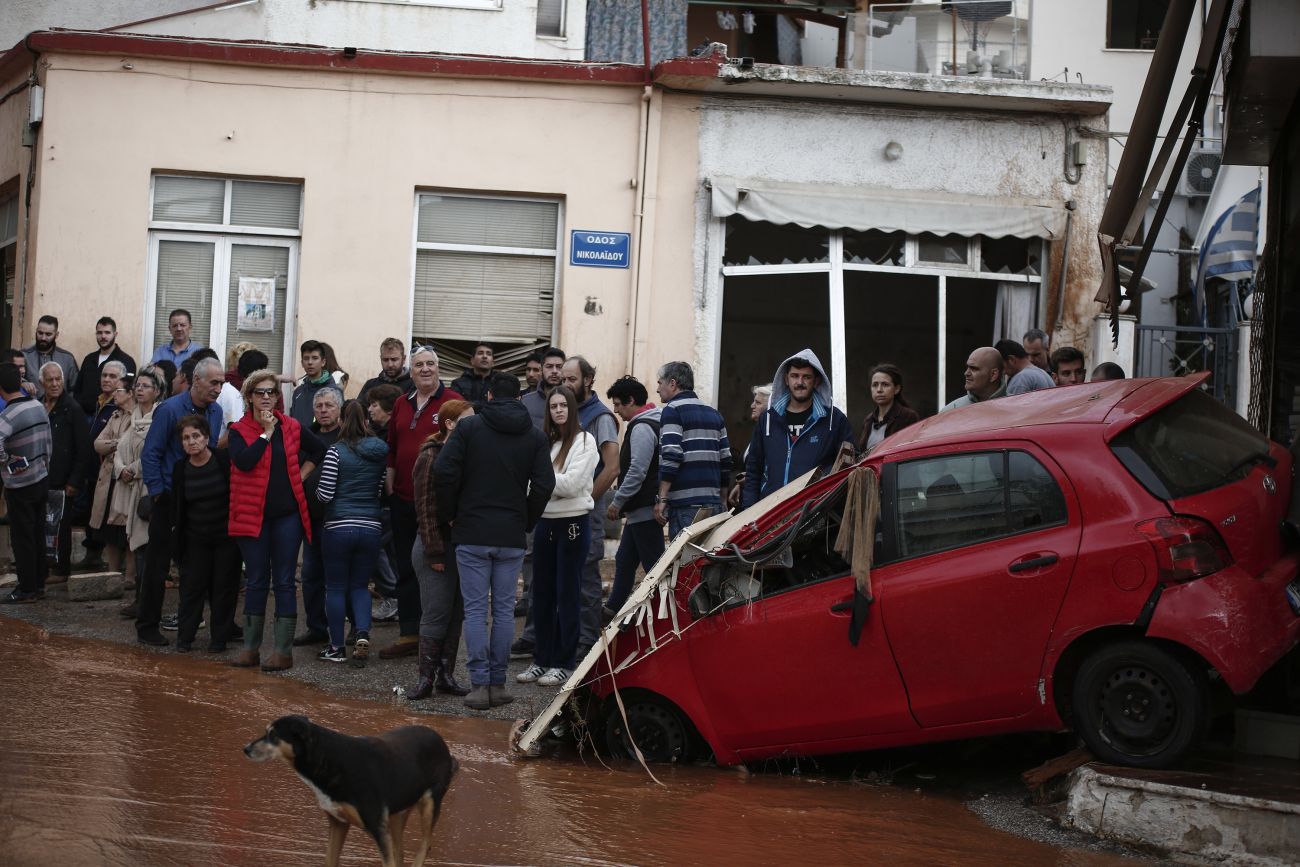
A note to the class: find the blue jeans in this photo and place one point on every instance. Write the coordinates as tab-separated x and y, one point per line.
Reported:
681	517
271	560
560	547
642	545
488	570
350	555
313	584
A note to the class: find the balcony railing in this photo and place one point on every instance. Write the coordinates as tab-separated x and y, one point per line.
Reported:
968	38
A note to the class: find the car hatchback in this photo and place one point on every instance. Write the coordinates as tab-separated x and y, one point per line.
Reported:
1089	557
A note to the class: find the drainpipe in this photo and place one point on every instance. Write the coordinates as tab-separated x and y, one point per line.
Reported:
1065	267
646	176
33	156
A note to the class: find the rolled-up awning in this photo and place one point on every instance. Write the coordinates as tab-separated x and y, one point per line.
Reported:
888	210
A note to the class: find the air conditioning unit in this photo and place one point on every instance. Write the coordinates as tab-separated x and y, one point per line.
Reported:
1200	172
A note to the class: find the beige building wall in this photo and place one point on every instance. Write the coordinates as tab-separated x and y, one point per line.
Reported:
362	145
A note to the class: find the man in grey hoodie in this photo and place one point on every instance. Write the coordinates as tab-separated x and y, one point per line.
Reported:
642	542
801	429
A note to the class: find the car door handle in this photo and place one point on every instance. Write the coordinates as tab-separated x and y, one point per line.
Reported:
1033	563
841	607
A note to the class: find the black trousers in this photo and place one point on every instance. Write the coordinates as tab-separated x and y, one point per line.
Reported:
405	529
209	573
26	507
153	583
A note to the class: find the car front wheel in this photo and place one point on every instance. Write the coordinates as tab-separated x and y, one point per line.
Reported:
658	730
1138	704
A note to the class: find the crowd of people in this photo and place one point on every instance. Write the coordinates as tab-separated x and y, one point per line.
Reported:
416	501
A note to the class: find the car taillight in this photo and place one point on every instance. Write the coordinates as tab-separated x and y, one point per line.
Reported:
1186	548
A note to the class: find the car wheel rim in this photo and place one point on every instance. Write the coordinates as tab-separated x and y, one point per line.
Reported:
1139	712
657	732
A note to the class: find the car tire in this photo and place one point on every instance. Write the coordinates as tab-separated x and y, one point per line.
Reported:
1139	704
659	730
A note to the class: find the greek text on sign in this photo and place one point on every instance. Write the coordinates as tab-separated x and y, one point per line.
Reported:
600	249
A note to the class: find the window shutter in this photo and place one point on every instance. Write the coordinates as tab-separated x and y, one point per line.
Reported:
9	221
247	260
184	280
188	200
488	222
483	296
269	205
550	17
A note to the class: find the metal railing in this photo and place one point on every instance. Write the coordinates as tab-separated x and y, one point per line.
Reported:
1179	350
975	38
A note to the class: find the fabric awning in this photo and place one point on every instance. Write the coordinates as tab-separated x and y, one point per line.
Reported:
887	210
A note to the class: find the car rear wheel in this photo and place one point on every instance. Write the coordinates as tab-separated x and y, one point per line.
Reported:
658	729
1138	704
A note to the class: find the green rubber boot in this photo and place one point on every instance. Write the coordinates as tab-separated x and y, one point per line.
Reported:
251	655
282	658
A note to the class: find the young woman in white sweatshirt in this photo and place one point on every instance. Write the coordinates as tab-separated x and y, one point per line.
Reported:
560	543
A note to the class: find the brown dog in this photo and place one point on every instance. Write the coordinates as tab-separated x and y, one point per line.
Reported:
372	783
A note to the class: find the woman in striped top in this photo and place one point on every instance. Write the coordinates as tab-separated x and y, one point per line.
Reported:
351	484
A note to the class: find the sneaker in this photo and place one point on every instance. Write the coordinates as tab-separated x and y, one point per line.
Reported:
19	597
172	622
385	611
361	649
333	654
554	677
530	674
521	649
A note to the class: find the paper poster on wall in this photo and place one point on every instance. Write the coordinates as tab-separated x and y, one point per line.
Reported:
256	304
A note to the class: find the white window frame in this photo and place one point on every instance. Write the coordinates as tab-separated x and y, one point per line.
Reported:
835	268
563	35
224	226
219	306
483	5
417	245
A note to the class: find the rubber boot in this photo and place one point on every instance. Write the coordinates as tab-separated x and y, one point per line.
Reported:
430	655
444	677
251	655
282	658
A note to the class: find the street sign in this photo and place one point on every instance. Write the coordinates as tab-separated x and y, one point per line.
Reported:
600	249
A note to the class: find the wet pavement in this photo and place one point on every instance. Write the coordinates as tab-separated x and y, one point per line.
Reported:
118	755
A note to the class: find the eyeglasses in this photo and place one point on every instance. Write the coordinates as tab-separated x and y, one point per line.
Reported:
264	392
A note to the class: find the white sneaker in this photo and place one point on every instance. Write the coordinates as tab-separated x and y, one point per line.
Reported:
554	677
530	674
385	610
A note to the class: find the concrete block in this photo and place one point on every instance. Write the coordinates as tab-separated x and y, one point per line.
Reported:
1261	733
89	586
1196	826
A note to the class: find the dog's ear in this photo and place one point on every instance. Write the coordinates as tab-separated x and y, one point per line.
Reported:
298	730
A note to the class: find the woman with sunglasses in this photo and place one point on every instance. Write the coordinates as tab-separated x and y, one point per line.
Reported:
270	454
415	418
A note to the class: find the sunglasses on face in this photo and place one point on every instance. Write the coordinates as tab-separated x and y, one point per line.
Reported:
264	392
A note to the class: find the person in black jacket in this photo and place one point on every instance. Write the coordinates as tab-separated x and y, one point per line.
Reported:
509	463
474	383
88	385
70	455
209	558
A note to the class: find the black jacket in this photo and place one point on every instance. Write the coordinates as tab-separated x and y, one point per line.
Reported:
87	391
179	518
471	386
494	476
70	448
403	382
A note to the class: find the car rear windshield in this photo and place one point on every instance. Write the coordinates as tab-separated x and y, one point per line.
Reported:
1193	445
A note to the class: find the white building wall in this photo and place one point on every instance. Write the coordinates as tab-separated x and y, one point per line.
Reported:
20	17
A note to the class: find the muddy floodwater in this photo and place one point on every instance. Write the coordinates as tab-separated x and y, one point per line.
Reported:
115	756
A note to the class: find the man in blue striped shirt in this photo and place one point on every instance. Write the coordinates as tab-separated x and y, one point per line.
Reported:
24	464
694	455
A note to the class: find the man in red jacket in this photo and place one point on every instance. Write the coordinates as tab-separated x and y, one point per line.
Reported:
414	419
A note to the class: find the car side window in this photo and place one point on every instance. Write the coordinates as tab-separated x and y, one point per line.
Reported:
956	500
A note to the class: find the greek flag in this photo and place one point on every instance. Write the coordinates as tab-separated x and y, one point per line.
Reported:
1228	251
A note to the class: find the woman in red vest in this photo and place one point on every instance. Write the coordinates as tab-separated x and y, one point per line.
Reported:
270	454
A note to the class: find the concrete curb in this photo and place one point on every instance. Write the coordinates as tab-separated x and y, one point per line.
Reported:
1201	826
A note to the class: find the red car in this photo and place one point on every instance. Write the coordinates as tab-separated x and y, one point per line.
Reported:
1094	557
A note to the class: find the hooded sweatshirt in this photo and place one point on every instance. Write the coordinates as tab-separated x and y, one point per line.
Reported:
494	476
775	456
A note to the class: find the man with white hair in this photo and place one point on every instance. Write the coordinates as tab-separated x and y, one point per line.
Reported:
87	392
414	420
